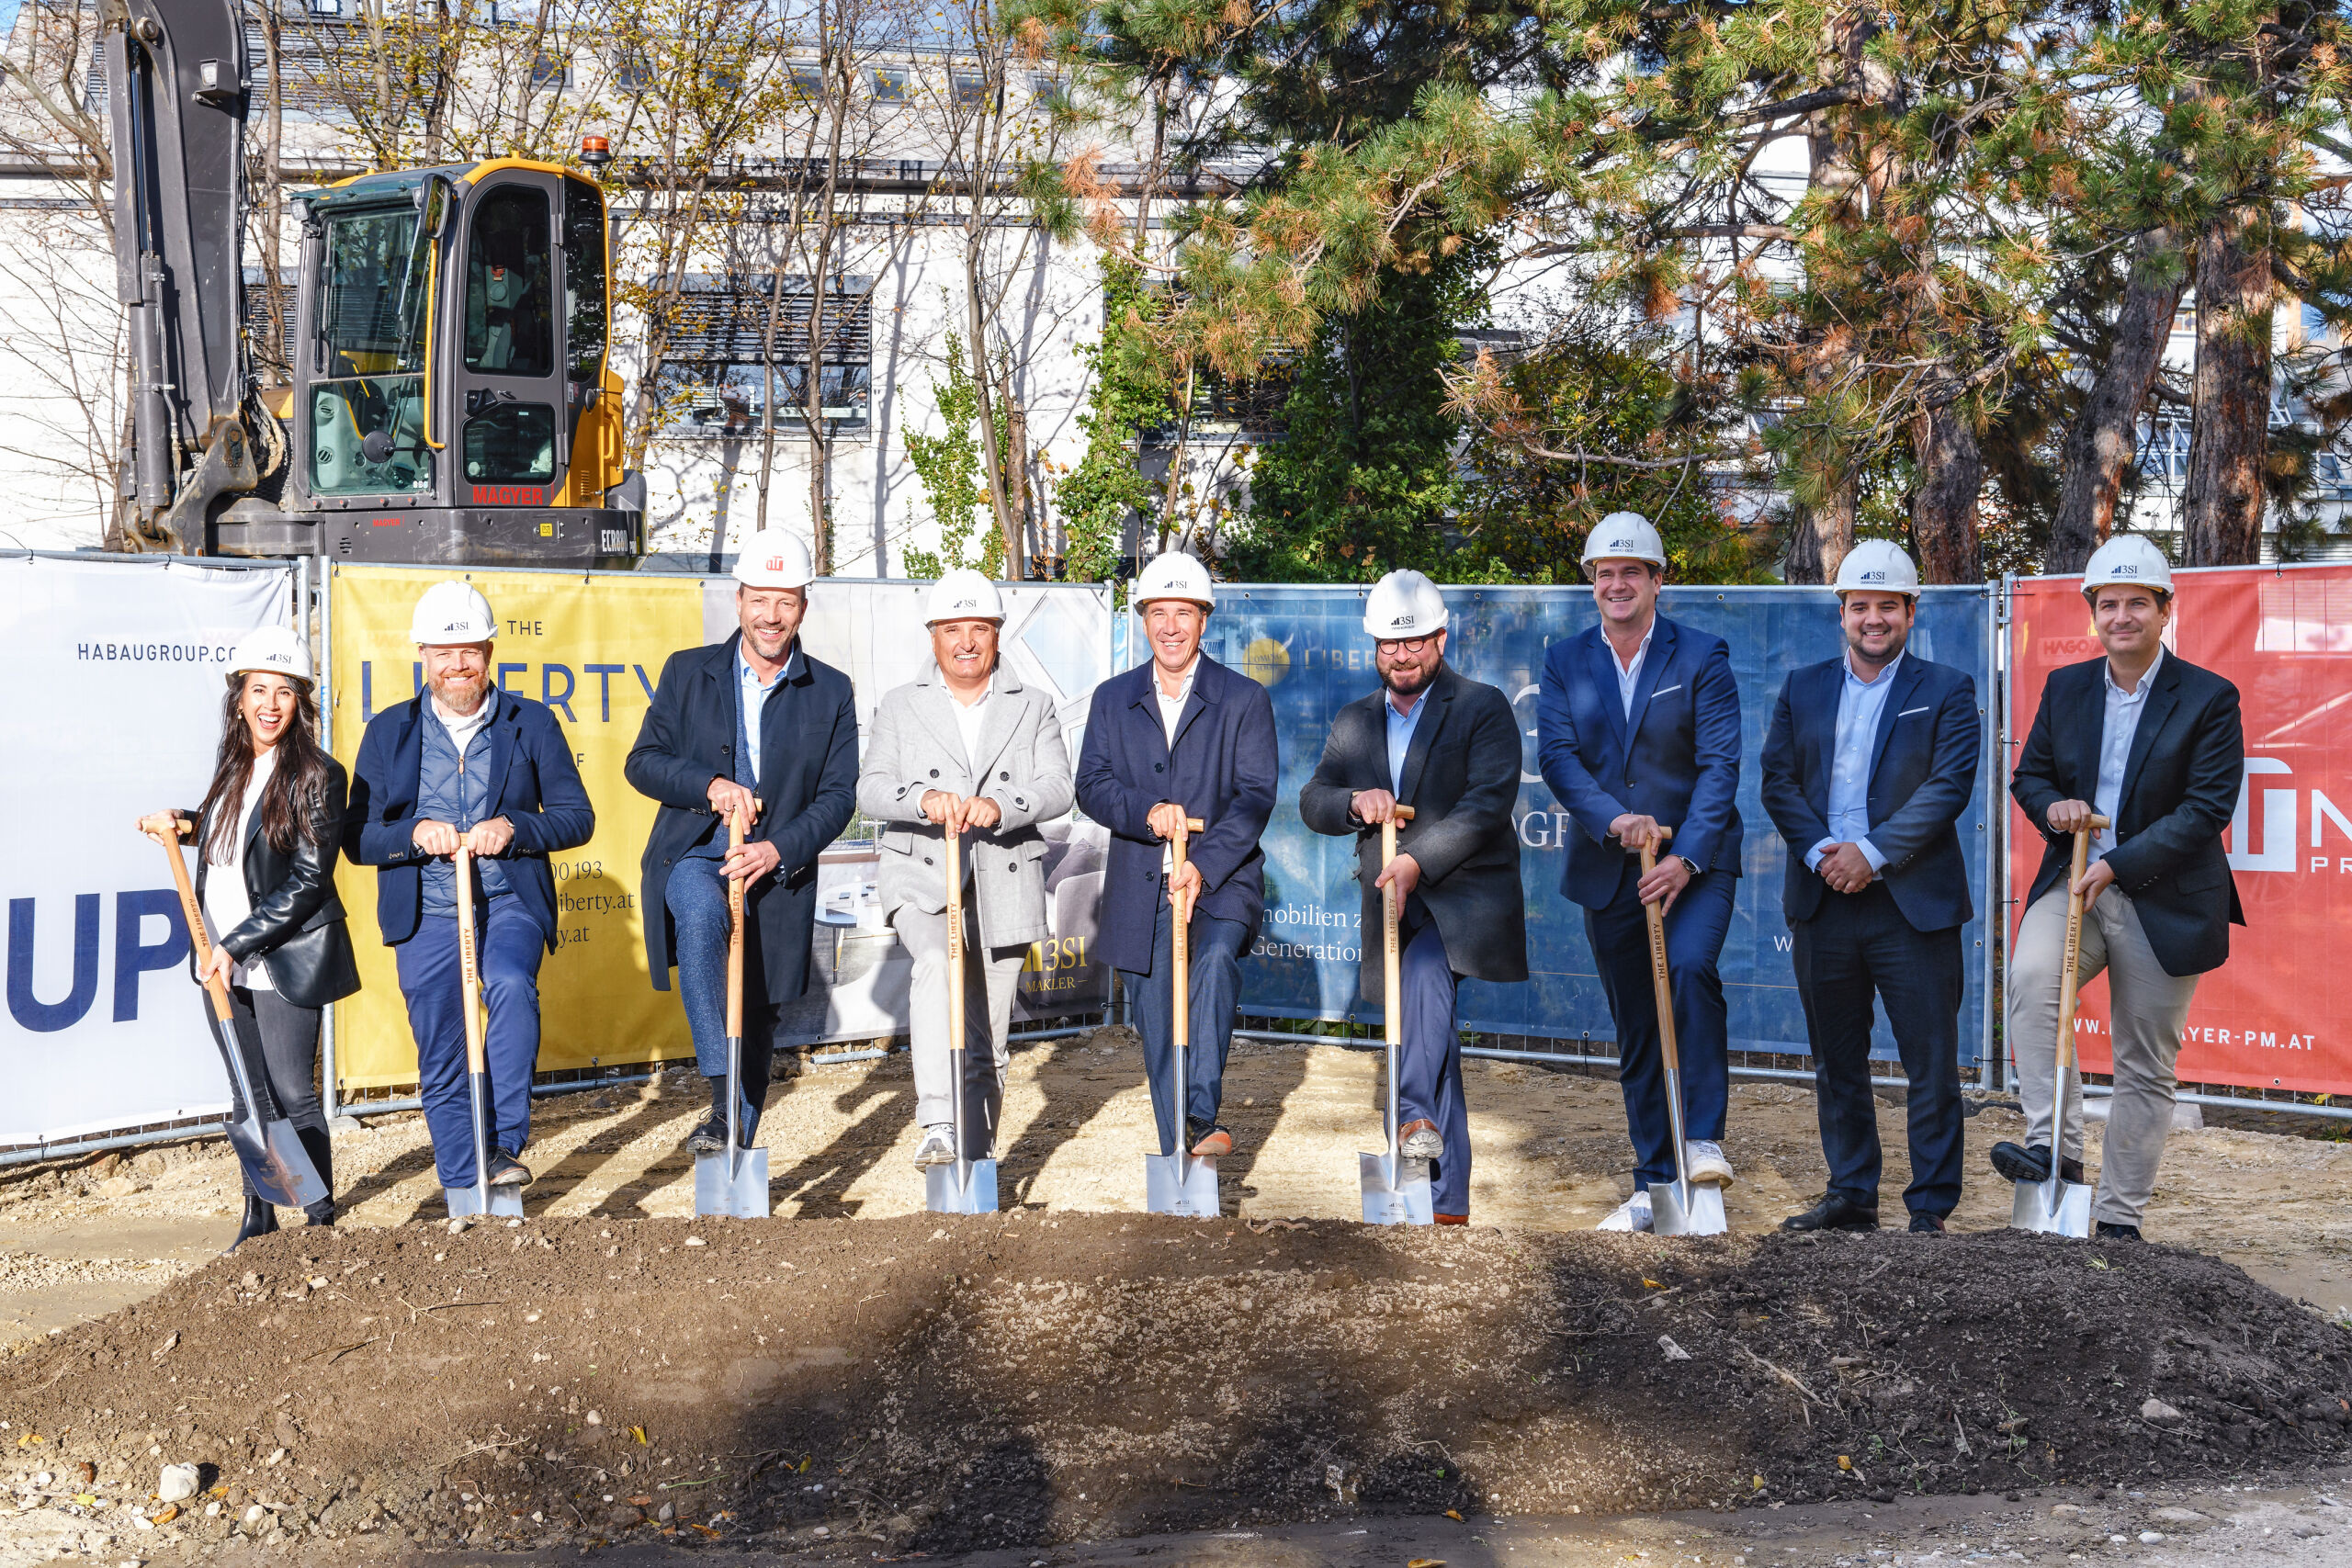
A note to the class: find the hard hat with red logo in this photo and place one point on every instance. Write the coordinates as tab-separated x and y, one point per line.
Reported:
773	558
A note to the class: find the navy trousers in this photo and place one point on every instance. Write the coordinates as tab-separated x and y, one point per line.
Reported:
1429	1062
1215	990
1695	928
1859	945
510	951
696	897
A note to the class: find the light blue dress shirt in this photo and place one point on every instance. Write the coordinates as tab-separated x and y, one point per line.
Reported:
1630	675
1400	736
2115	736
752	694
1860	704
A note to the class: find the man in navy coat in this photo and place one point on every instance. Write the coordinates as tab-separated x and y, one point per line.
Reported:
751	728
467	765
1870	760
1181	735
1638	731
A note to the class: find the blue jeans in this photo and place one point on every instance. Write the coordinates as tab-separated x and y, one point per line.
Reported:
696	897
1215	990
1694	942
1429	1063
431	979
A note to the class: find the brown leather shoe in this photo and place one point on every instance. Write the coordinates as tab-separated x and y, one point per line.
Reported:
1215	1142
1452	1219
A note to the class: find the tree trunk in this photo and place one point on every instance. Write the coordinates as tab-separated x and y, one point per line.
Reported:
1943	506
2102	443
1822	537
2230	433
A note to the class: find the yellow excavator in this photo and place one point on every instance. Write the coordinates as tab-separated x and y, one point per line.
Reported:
450	398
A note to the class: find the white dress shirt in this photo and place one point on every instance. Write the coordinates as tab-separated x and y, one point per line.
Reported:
225	898
970	716
2122	723
1172	713
1860	704
1630	675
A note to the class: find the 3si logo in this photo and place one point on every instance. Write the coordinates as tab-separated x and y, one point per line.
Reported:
2126	569
1873	577
1403	620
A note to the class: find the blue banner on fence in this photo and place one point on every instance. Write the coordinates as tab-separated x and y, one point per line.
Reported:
1306	646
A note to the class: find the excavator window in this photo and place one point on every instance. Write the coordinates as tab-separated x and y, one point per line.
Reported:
584	266
367	407
510	301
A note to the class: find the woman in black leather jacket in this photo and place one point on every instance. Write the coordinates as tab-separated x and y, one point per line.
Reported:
270	830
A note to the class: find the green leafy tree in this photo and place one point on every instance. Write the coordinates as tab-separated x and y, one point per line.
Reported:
948	464
1129	395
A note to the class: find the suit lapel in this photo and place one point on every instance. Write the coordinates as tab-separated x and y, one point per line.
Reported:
1604	686
1206	688
1906	681
1820	697
1435	705
996	722
506	737
2162	698
2088	712
1654	663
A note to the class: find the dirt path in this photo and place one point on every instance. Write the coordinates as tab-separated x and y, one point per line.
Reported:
1551	1154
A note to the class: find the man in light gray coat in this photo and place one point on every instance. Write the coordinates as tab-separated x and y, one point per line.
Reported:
965	749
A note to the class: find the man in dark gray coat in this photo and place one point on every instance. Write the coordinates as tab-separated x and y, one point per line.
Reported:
1448	747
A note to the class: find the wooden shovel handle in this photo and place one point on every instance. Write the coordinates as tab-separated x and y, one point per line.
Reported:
1660	980
217	987
2069	983
734	933
469	960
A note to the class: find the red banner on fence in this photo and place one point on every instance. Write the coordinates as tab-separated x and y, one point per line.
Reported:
2279	1015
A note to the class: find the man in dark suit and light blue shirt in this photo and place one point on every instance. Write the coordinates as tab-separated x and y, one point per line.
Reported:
2154	744
751	727
466	765
1870	758
1181	735
1448	747
1638	731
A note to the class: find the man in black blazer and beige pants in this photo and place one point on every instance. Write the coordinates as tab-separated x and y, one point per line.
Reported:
1870	760
1448	747
2153	743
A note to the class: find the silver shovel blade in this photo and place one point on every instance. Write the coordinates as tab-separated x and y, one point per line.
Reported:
2055	1207
1181	1184
960	1186
735	1188
1403	1201
1700	1212
505	1203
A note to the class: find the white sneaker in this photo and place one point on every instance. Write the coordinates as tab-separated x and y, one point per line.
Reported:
1707	1166
938	1147
1632	1214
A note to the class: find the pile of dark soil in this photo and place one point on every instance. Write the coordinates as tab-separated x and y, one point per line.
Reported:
933	1382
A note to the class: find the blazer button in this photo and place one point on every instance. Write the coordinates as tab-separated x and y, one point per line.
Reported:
934	773
1005	778
1159	767
1014	868
926	860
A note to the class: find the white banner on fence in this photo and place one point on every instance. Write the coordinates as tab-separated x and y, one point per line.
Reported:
116	671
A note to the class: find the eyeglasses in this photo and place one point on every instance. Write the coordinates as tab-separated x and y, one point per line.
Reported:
1404	644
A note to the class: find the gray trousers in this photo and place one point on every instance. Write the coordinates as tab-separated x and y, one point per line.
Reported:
2146	1010
990	975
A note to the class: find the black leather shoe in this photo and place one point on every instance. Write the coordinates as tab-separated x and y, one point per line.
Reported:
1835	1213
2018	1163
2106	1231
1927	1224
260	1219
710	1137
505	1171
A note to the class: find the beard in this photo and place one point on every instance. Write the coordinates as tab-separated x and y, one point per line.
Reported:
1408	681
461	694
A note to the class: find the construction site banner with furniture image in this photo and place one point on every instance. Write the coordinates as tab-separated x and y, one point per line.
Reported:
2279	1015
592	646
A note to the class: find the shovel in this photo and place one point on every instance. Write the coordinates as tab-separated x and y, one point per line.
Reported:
1396	1190
1676	1207
734	1183
264	1142
2060	1207
965	1185
1181	1183
481	1197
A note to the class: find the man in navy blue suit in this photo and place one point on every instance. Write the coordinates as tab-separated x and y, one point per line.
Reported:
1870	760
467	765
1181	735
1638	724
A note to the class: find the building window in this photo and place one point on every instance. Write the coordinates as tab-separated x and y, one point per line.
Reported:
968	87
807	82
715	384
1050	93
889	85
2164	450
550	71
325	7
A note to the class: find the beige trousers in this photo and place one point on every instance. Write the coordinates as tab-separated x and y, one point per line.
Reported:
2146	1010
990	975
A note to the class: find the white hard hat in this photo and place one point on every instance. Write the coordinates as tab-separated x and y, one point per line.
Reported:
271	650
1403	605
773	558
1172	574
1880	566
964	595
452	612
2128	557
1624	535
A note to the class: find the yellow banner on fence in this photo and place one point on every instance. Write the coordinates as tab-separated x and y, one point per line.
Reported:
591	649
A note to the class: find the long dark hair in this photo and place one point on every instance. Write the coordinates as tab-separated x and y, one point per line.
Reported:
296	786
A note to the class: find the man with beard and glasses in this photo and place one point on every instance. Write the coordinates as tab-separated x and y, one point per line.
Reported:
1448	747
466	765
1870	760
754	731
1638	731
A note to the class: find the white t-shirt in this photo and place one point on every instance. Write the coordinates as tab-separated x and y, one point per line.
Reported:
970	716
226	903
